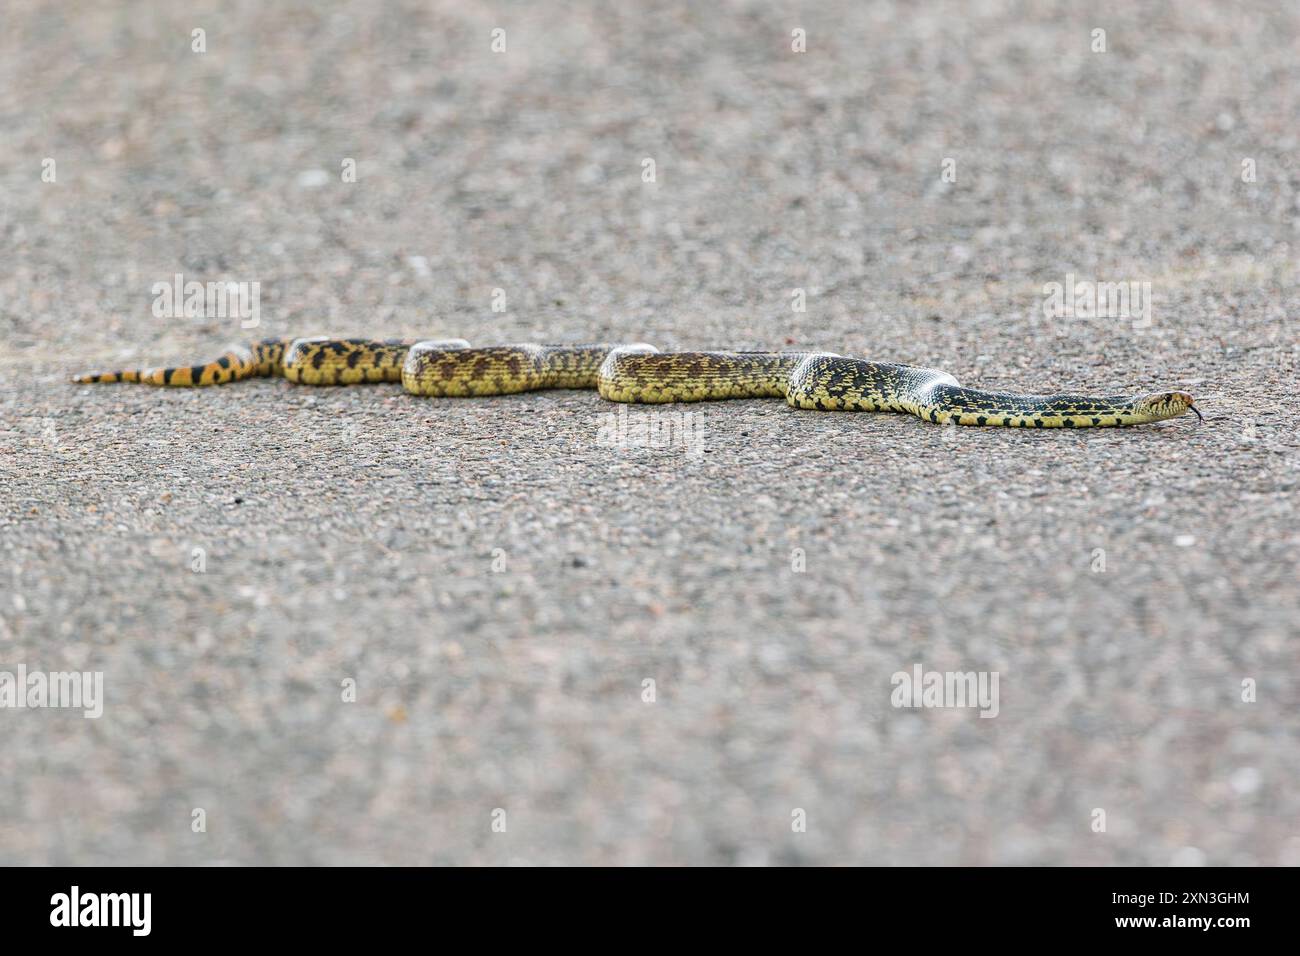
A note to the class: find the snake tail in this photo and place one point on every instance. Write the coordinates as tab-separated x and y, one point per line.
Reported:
305	361
258	359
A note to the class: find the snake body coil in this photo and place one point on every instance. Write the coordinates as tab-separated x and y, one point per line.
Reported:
641	373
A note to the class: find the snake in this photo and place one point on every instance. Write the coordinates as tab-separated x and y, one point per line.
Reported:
640	373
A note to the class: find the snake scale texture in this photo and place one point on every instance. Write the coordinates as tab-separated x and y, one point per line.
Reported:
640	373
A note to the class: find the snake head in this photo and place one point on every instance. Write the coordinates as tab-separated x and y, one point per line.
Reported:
1161	405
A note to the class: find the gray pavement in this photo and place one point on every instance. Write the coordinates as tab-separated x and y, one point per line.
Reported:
496	581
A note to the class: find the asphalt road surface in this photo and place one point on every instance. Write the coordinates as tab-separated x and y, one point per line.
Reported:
355	626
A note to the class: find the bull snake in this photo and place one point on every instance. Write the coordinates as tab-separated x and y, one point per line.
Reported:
640	373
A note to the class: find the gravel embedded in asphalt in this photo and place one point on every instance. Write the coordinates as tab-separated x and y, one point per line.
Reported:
500	580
